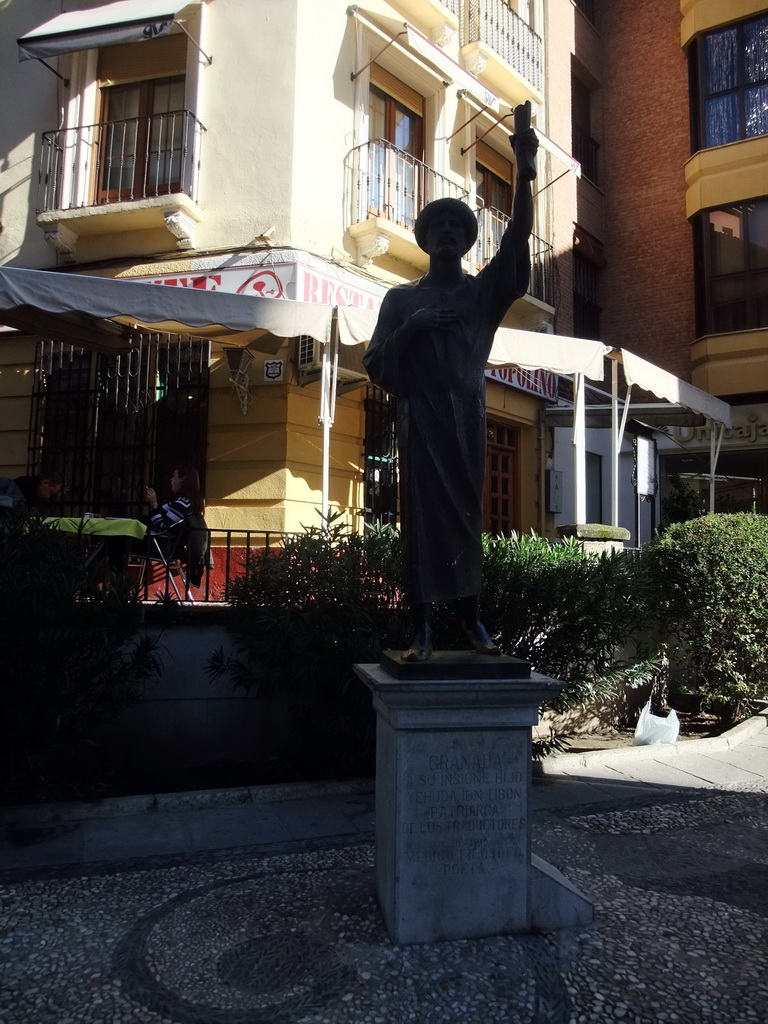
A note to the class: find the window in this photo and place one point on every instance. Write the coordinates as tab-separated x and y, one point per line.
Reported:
380	455
584	146
396	173
141	139
493	175
732	268
733	83
501	506
741	485
110	424
586	311
144	136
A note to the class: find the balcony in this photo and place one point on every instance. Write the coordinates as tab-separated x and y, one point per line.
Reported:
388	190
498	46
491	225
131	175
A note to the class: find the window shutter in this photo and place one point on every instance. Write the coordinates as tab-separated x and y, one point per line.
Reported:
135	62
494	162
398	90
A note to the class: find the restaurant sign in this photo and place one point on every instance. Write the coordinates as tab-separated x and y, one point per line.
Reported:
542	383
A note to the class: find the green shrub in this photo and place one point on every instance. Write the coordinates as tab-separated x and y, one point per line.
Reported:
711	580
305	614
575	616
68	657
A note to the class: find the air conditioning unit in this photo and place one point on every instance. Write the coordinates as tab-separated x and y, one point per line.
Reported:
309	362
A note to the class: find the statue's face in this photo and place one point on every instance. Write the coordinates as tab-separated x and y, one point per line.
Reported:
445	236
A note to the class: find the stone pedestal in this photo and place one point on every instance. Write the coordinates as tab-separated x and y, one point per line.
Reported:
453	783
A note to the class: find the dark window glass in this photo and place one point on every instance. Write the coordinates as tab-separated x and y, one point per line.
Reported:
734	83
142	139
734	268
586	310
380	457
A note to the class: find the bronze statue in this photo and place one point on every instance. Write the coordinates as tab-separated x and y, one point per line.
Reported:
429	350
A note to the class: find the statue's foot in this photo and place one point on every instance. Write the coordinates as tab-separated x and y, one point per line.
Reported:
478	636
419	649
416	653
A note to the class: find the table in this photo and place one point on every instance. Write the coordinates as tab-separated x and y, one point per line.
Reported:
100	529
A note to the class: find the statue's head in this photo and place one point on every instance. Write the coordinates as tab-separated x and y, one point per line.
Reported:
450	215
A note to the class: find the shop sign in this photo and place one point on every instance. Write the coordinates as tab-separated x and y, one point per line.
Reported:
541	383
277	281
755	429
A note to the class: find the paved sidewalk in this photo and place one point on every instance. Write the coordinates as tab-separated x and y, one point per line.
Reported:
257	907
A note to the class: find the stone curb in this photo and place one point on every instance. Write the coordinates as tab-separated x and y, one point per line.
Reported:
659	751
204	799
200	800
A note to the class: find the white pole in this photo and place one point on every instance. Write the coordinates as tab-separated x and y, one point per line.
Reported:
716	432
615	443
325	421
328	377
579	450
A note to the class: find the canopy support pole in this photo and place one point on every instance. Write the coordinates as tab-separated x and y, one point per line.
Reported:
715	440
615	443
579	453
328	378
58	75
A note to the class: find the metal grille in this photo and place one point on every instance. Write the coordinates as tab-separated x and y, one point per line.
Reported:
111	424
586	311
380	473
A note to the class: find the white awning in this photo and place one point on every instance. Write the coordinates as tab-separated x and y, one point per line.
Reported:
555	352
645	375
127	21
41	301
527	350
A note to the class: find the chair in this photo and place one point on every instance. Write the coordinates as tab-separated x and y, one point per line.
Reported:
183	550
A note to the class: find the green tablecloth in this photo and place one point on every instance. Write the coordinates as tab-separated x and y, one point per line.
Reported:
99	527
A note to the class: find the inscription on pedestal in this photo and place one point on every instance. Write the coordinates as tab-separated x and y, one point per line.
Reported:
465	813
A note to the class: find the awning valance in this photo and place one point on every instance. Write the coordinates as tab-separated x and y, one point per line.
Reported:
127	21
36	300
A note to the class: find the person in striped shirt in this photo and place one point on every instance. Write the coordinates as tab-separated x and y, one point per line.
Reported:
185	500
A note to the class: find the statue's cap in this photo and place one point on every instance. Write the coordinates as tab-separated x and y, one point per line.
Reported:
440	207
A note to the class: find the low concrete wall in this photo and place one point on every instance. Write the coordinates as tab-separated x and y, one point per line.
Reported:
184	719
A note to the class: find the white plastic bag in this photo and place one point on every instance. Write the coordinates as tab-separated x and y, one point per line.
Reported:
652	729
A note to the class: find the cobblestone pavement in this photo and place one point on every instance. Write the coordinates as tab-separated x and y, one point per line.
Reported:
680	889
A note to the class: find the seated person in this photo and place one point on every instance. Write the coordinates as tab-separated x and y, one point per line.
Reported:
185	507
185	500
29	491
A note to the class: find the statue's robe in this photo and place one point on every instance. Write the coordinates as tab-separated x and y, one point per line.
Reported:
438	378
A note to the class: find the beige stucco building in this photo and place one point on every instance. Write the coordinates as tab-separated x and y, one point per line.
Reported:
280	148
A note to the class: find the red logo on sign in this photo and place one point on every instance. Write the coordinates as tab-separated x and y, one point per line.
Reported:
266	284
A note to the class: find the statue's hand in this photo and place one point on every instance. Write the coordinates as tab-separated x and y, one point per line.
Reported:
429	317
525	145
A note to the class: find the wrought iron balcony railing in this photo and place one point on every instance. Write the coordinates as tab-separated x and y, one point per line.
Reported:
585	150
387	182
491	225
115	161
494	23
